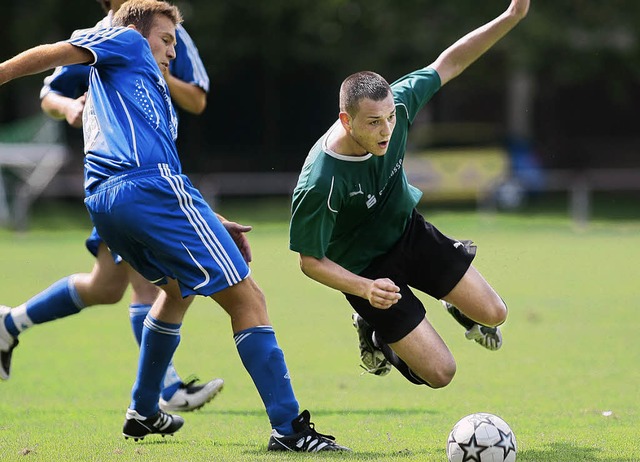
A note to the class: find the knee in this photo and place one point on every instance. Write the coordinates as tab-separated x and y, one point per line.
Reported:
437	375
257	294
442	376
108	294
146	293
94	290
496	314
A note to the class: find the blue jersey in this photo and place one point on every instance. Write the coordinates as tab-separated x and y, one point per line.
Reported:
73	81
128	120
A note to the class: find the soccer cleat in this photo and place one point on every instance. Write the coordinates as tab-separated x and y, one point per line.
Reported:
306	438
7	343
488	337
189	396
373	360
137	426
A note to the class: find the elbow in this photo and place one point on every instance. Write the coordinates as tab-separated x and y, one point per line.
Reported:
304	267
200	105
307	265
49	110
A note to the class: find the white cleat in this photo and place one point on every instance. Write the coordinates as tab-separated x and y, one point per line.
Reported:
190	396
488	337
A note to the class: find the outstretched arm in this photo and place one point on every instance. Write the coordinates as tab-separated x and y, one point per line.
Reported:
42	58
381	293
466	50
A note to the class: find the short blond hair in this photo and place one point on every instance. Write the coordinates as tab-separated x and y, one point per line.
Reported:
141	14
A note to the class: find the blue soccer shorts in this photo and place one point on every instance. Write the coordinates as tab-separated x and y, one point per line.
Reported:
161	225
93	244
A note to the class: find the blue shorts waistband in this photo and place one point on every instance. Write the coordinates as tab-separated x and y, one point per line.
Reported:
128	175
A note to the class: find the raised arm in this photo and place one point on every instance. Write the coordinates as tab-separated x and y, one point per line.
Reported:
42	58
466	50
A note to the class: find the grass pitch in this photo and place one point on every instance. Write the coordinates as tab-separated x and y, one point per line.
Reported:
567	379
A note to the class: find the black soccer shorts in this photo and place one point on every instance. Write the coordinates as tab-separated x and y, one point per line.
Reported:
423	259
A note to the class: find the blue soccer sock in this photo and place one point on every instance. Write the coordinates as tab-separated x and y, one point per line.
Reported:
264	360
159	342
57	301
172	381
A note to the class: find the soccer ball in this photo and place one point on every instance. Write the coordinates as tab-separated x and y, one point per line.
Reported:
481	437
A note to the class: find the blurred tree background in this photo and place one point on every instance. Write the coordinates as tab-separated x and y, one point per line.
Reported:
566	80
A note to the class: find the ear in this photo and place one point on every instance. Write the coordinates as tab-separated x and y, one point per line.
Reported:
345	120
131	26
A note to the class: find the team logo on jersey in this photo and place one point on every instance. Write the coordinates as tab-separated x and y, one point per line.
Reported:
371	200
355	193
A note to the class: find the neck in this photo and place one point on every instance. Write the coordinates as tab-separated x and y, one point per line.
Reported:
341	142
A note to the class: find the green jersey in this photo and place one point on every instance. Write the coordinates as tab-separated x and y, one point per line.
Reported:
353	209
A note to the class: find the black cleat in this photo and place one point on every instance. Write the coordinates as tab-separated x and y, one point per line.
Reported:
306	438
7	344
373	360
137	426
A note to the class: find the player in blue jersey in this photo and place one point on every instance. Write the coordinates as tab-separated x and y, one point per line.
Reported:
63	97
149	213
355	225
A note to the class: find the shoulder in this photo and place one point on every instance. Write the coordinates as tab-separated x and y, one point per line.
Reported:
425	80
105	37
413	90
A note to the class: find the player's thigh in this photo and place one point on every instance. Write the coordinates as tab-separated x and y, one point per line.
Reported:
425	352
477	299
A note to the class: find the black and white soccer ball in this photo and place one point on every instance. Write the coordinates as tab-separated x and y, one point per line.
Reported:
481	437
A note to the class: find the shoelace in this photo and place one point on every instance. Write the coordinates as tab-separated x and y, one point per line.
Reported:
312	427
191	380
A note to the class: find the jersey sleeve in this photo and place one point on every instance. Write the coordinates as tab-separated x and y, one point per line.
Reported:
414	90
312	222
70	81
188	65
111	46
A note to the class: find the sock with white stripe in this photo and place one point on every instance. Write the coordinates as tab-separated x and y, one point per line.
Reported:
59	300
159	342
137	314
264	360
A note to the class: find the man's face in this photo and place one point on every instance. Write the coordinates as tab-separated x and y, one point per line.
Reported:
162	40
373	124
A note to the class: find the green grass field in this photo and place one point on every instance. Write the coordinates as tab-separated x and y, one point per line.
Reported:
567	379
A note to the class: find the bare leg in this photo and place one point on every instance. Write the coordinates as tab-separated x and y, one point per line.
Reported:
476	299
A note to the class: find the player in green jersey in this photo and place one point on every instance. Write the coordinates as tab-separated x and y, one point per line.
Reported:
356	229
